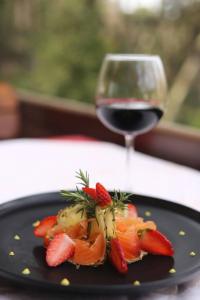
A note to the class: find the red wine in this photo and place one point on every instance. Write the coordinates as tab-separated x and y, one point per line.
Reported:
127	117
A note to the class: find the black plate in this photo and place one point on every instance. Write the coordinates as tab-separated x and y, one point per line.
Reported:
16	217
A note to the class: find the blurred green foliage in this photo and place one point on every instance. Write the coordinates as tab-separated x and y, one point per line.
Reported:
69	49
65	48
56	47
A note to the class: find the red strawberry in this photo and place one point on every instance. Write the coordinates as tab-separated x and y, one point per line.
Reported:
46	224
103	197
46	241
155	242
90	192
132	211
60	249
117	256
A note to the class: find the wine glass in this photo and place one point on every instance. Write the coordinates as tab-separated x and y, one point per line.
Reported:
131	96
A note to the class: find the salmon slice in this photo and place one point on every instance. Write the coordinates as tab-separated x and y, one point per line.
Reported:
78	230
89	252
146	225
123	223
130	243
127	233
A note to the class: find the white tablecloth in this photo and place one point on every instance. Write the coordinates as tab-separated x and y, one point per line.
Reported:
30	166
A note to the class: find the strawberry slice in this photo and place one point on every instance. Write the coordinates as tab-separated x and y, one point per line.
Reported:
60	249
46	224
117	256
90	192
132	211
103	197
155	242
46	241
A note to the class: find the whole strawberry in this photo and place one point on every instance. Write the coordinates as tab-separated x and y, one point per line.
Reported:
90	192
103	198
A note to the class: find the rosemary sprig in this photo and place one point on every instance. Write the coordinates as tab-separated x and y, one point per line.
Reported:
76	197
120	199
80	197
83	177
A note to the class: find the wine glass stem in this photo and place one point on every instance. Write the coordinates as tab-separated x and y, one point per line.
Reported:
129	143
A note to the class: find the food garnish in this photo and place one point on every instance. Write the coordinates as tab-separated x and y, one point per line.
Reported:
182	233
147	213
136	282
65	282
36	223
172	271
192	253
26	271
97	225
17	237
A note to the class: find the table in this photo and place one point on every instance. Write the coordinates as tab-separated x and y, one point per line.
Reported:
29	166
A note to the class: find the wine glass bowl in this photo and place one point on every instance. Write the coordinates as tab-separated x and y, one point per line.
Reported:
131	93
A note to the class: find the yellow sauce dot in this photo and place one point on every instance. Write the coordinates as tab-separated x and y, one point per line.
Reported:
11	253
36	223
182	233
147	213
26	271
136	282
17	237
172	271
192	253
65	282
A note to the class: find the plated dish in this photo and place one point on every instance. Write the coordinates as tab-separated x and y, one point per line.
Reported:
96	226
22	255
